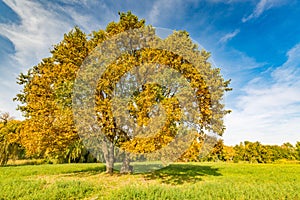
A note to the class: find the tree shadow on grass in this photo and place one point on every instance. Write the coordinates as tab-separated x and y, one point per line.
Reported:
177	174
97	169
90	171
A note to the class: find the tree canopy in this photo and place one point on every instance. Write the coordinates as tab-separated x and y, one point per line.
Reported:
48	92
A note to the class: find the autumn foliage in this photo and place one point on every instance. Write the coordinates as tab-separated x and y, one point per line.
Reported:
46	98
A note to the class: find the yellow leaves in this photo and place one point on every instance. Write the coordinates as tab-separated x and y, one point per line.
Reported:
127	21
47	92
10	130
150	95
9	138
48	97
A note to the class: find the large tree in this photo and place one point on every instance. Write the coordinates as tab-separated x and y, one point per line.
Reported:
49	128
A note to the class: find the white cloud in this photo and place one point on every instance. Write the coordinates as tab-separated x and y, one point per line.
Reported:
234	61
32	38
85	13
261	7
269	113
38	30
167	9
41	26
228	1
229	36
159	8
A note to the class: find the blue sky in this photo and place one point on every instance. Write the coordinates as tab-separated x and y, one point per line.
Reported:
256	43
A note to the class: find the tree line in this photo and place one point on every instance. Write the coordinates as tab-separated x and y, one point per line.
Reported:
254	152
11	148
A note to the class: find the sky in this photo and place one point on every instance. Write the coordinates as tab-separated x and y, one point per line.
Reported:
256	43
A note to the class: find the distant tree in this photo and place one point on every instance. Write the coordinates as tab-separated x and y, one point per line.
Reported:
10	147
240	152
256	152
288	151
4	117
217	153
298	150
228	153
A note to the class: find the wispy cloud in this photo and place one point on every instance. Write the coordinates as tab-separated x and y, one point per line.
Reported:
41	26
227	1
38	30
162	7
229	36
85	13
32	38
168	9
235	61
269	112
261	7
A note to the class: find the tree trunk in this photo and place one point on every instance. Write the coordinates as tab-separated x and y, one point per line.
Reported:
126	167
108	150
4	154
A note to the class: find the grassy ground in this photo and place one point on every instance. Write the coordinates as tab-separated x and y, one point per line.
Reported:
177	181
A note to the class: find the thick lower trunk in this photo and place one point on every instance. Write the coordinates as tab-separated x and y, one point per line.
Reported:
108	150
126	167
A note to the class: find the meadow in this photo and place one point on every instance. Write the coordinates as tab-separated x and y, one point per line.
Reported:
177	181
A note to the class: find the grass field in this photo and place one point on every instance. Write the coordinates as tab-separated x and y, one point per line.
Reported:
177	181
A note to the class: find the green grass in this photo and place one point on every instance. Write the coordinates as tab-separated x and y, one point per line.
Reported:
177	181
